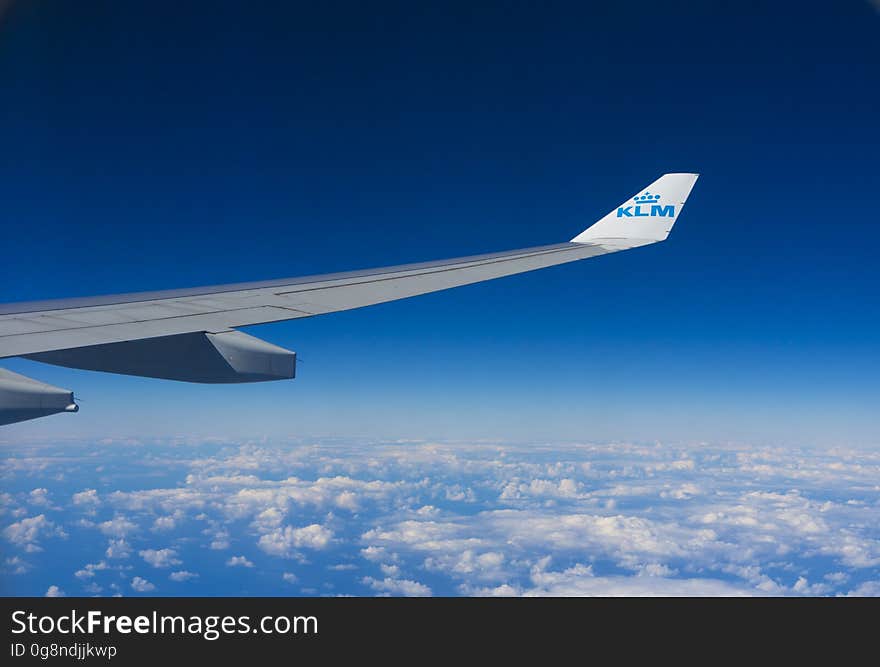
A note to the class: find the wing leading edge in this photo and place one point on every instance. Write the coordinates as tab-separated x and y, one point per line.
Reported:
149	333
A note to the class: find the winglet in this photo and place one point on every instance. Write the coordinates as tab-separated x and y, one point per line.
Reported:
645	218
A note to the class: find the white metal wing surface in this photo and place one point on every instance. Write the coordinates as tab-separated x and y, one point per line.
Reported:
189	334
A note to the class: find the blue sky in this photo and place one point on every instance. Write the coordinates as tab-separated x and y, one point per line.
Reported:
149	147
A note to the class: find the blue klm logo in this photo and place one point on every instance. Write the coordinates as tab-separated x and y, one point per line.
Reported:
646	205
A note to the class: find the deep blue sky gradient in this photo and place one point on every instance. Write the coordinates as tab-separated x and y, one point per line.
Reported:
149	146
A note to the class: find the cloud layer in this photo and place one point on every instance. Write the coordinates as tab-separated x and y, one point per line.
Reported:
413	518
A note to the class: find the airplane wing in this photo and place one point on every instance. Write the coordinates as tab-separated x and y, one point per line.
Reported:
189	334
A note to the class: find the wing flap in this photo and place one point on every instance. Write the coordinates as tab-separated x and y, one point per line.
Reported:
227	357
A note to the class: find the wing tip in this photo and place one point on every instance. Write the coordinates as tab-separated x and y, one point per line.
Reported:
647	217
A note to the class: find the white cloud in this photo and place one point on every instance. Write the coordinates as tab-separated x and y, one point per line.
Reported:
580	581
347	500
803	587
164	523
220	539
160	557
54	592
342	567
541	488
684	491
621	586
87	499
119	526
430	536
88	571
390	586
289	577
374	553
656	570
182	575
118	549
28	532
624	538
866	589
141	585
39	497
284	541
470	564
239	561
